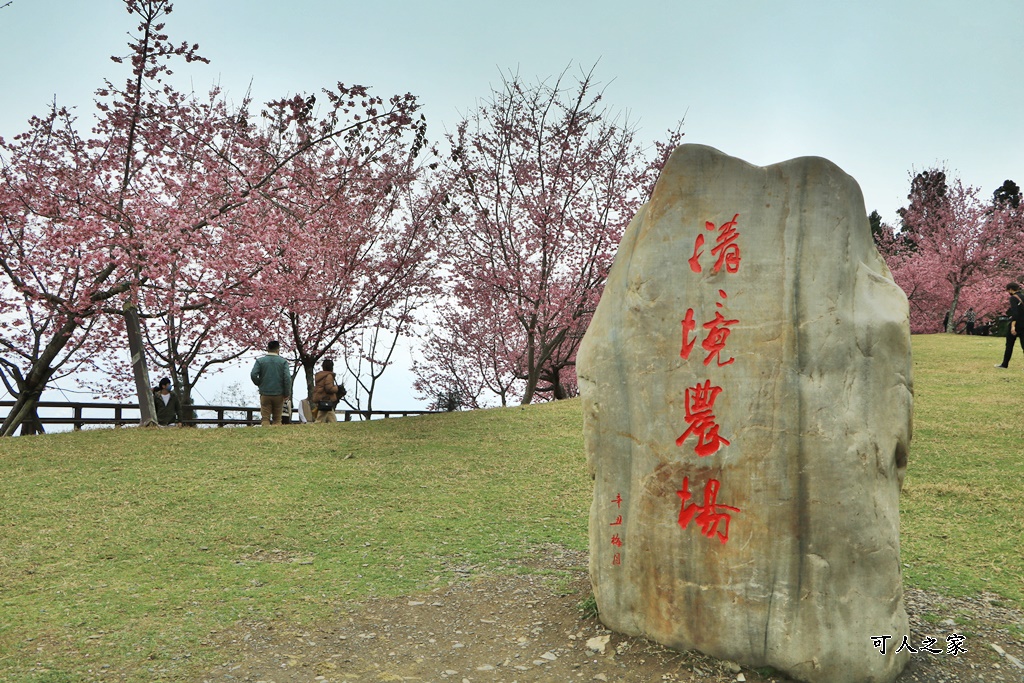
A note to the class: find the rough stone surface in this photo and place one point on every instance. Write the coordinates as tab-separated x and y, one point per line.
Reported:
782	549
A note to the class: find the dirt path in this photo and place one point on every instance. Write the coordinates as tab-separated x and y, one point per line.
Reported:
520	628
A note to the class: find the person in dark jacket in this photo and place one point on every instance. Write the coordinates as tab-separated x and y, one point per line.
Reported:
168	411
273	377
1015	325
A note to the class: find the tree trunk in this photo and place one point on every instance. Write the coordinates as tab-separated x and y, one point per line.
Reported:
32	424
532	371
531	388
369	393
184	385
185	402
181	384
147	406
21	413
26	403
308	371
951	325
557	390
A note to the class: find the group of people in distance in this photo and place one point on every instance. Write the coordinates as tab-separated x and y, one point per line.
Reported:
272	374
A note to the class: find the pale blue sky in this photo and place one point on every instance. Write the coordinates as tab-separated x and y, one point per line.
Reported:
879	88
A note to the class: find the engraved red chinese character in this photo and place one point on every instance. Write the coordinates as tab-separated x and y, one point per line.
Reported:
617	559
694	260
617	522
706	515
617	500
726	248
714	343
700	401
616	541
688	327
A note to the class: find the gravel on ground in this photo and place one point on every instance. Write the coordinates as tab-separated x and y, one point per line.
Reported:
516	626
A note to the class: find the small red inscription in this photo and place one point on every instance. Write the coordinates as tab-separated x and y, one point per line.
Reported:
616	539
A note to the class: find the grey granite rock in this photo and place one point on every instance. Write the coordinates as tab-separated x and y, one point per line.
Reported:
751	343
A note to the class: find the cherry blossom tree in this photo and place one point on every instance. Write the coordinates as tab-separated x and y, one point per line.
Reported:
192	336
163	179
54	258
542	181
124	197
955	249
470	353
355	241
229	289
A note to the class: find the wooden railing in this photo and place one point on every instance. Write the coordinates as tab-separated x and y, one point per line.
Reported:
368	414
120	414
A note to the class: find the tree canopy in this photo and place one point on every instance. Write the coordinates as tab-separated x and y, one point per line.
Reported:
187	229
954	250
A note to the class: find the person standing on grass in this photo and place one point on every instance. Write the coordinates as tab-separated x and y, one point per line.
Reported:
969	321
273	377
1015	326
167	409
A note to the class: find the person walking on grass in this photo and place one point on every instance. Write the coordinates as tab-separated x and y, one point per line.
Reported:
273	377
1015	326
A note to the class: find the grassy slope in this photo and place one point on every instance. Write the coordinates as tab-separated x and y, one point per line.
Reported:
121	546
150	540
963	501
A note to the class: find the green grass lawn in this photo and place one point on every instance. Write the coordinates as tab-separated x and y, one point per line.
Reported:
127	548
962	519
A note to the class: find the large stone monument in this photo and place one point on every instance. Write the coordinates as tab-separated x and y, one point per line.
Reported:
747	398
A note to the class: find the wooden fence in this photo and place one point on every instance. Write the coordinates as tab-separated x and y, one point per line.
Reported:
80	415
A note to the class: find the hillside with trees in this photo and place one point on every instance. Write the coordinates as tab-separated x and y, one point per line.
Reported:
182	229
